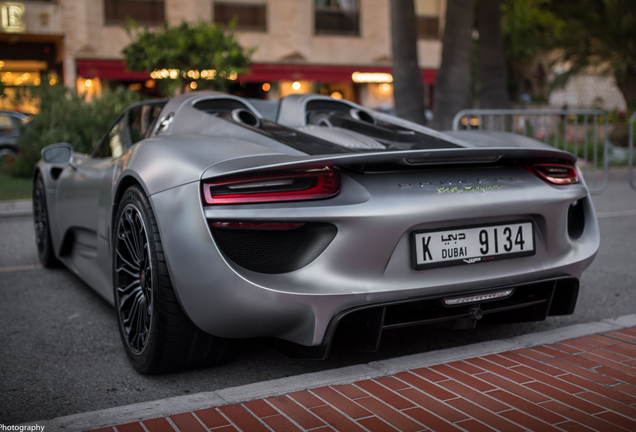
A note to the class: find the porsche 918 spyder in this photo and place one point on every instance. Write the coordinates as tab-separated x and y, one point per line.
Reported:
316	223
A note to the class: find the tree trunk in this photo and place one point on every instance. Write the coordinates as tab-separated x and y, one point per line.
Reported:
452	87
408	87
626	83
492	66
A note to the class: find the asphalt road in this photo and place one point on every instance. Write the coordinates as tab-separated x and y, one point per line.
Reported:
60	351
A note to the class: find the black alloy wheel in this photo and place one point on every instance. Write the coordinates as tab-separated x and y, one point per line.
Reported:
157	335
133	268
43	241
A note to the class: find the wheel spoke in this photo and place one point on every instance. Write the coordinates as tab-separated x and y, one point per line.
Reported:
137	289
132	236
127	266
125	237
134	310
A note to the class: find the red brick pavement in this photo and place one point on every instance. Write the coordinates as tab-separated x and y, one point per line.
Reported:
582	384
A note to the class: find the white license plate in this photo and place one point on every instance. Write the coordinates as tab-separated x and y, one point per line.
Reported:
471	245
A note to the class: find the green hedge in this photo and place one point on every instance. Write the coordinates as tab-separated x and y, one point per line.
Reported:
66	117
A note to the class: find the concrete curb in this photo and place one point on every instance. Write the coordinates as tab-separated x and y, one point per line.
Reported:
16	208
346	375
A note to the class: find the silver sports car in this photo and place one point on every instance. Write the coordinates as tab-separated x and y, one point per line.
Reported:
312	221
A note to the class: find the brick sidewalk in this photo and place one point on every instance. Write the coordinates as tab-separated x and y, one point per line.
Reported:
582	384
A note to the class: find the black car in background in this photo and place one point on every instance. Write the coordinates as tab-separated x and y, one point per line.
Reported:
10	122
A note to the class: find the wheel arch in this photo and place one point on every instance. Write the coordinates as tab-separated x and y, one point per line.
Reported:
123	184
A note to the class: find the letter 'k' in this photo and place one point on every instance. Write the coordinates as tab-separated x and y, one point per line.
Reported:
425	250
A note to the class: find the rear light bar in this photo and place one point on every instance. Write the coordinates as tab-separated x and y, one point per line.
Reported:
273	187
456	301
556	174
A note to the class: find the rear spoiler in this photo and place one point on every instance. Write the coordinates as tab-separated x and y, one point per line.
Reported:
412	158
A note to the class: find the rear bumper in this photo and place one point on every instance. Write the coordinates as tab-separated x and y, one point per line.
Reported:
361	328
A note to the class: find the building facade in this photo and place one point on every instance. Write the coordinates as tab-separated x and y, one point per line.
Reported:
336	47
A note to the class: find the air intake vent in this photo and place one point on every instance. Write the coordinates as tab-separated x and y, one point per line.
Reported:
219	105
274	250
247	117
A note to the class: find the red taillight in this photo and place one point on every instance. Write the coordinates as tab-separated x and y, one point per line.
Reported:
273	187
557	174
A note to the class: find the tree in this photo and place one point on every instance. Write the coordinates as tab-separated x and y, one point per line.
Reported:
408	87
65	116
198	55
452	89
528	27
492	66
601	34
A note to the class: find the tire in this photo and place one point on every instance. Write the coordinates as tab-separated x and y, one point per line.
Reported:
157	335
43	242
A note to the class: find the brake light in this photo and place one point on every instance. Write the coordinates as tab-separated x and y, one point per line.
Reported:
273	187
557	174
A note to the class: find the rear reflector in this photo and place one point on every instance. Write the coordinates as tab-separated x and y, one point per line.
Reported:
557	174
273	187
456	301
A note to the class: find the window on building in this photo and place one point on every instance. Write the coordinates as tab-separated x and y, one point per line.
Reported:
337	17
427	27
142	11
250	17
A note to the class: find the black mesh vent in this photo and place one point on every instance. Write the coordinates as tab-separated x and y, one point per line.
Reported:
274	250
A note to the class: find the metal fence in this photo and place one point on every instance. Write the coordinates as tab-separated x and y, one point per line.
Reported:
630	154
581	132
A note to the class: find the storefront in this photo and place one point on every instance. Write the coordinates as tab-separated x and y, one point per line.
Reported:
369	86
32	49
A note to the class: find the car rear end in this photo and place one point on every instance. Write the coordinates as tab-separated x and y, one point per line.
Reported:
327	246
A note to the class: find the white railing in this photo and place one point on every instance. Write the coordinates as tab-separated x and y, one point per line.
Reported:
630	154
581	132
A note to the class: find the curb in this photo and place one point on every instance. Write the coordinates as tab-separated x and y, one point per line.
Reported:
346	375
16	208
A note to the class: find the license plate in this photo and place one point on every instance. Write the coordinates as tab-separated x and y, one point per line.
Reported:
470	245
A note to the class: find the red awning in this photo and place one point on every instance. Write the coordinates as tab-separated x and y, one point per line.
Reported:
281	72
116	70
110	70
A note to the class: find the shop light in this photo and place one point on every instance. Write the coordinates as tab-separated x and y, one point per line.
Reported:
296	85
266	87
192	74
371	77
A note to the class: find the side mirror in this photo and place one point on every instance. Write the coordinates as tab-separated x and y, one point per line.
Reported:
58	154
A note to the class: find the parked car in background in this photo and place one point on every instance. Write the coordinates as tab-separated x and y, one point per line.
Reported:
203	221
10	122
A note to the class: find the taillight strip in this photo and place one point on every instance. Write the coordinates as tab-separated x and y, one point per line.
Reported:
554	173
273	187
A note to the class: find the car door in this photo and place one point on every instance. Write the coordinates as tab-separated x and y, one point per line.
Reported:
85	195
